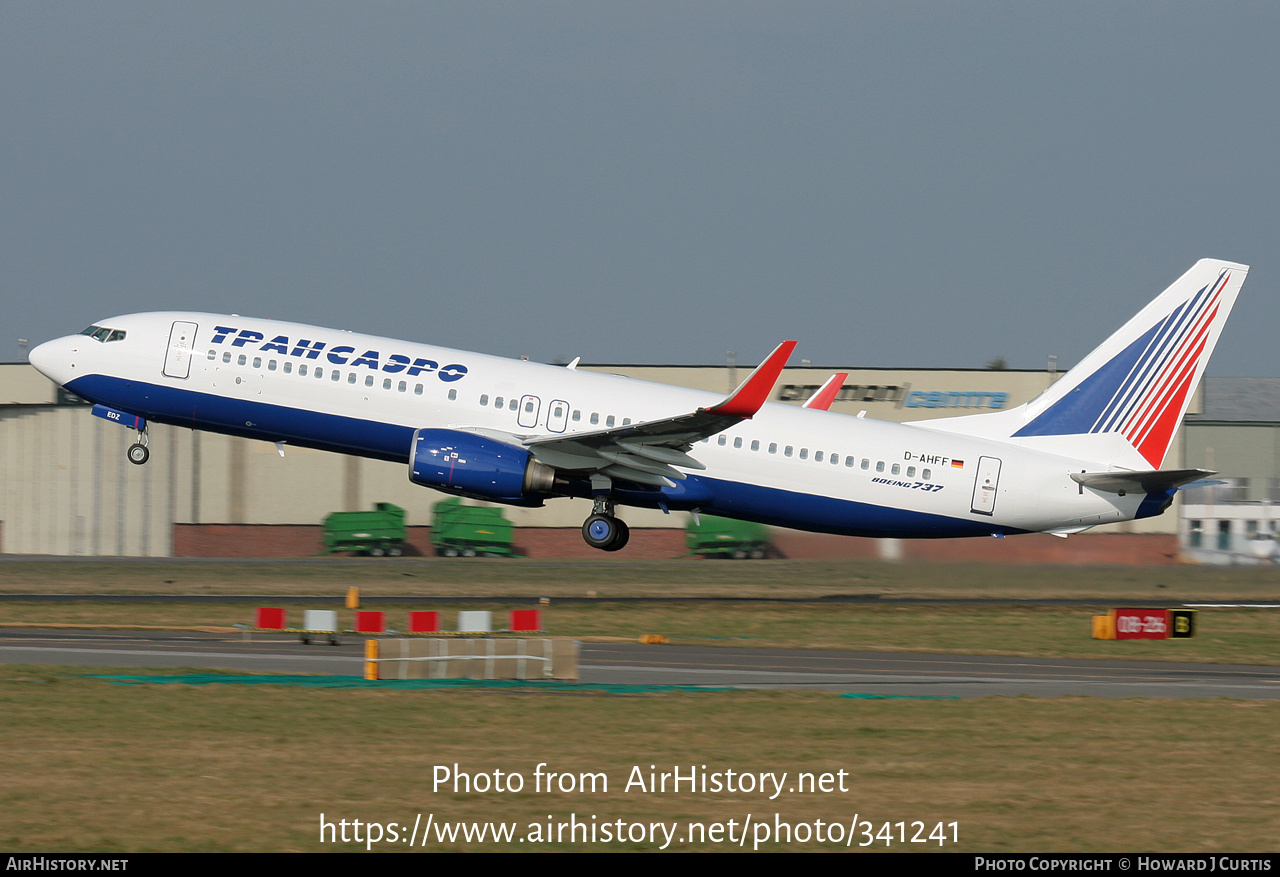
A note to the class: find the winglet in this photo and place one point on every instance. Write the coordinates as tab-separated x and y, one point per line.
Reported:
747	399
821	400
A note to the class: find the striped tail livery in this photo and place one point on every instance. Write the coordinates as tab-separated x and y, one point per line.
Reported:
1124	401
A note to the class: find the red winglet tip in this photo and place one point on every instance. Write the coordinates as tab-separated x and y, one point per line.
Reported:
747	399
821	400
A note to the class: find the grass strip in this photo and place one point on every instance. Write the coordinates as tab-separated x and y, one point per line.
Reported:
115	768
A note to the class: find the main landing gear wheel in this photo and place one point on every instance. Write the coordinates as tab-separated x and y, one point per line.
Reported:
624	536
605	532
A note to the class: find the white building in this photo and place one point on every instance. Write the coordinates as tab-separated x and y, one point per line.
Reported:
1235	434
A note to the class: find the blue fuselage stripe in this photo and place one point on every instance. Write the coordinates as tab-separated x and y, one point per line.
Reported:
248	419
387	441
824	514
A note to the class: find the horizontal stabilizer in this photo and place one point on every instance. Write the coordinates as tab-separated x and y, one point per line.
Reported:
1150	481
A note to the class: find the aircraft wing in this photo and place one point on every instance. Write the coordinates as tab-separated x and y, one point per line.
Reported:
1149	481
647	452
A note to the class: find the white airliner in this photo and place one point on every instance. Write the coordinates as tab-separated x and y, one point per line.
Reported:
1087	451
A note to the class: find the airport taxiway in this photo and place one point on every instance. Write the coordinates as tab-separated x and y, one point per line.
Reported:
888	674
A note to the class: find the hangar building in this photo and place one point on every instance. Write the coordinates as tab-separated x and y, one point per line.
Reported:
67	488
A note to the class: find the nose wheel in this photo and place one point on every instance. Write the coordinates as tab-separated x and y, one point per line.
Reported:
138	453
606	532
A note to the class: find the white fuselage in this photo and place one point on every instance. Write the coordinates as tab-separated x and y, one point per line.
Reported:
366	395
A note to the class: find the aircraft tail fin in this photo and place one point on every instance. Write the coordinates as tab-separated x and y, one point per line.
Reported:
1123	402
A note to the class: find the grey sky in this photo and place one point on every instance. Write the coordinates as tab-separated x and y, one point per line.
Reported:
922	184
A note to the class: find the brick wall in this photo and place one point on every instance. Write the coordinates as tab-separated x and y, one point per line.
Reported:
1127	549
246	540
286	540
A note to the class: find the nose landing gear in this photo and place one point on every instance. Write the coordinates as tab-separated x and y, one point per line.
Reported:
138	453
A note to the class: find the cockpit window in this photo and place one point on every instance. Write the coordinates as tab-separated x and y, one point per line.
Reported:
103	334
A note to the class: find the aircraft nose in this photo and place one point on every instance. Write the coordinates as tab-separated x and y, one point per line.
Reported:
55	359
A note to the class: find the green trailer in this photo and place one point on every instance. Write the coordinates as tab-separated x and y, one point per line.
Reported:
373	533
460	530
709	536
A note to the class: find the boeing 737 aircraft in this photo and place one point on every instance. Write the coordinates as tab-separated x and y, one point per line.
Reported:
1086	451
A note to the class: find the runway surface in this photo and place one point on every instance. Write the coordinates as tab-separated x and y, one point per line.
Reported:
896	674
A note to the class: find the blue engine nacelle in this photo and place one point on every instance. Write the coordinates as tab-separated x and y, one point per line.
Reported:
482	468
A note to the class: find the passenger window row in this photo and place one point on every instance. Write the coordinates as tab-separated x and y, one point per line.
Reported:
513	404
318	373
833	458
